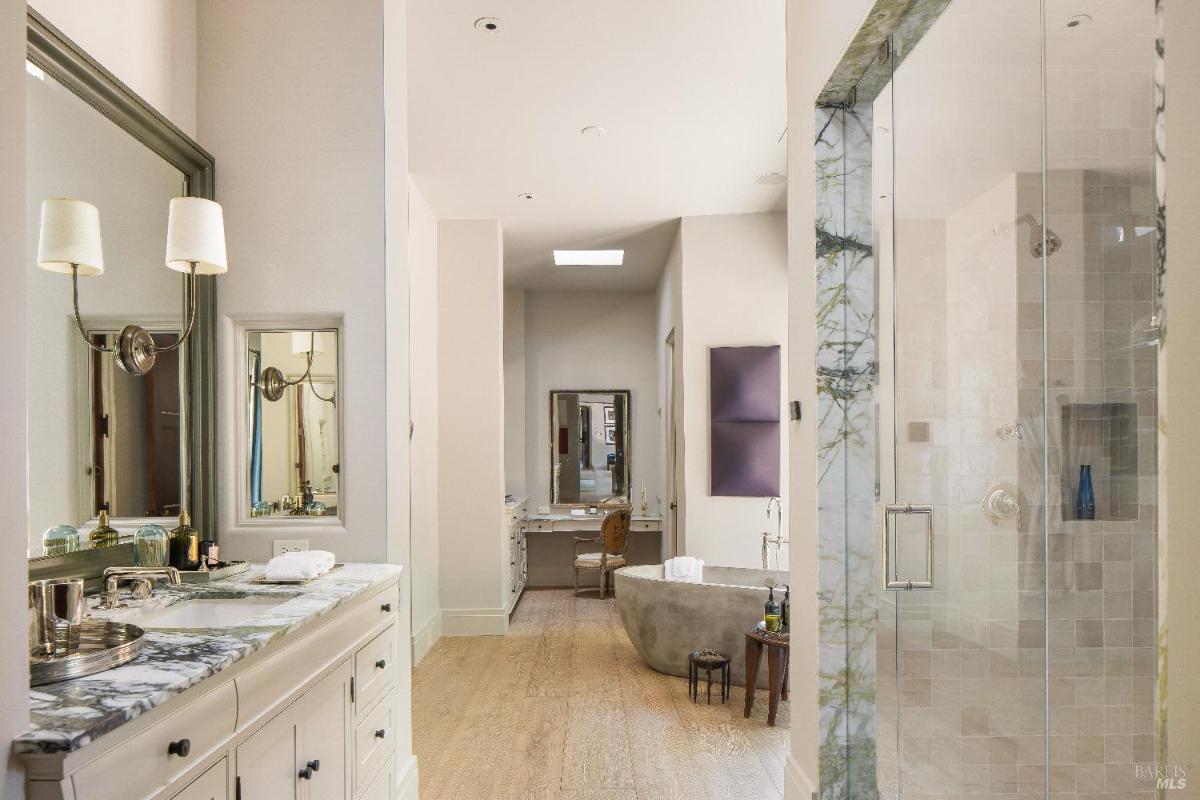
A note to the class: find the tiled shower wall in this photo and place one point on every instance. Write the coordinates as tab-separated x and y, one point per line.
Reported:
1101	573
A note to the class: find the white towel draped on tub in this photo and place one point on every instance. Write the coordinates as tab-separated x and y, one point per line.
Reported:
685	569
300	565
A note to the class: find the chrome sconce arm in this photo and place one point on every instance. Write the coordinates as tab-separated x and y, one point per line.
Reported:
135	350
272	383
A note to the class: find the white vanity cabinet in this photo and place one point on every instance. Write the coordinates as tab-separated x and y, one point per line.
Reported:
518	562
310	717
303	752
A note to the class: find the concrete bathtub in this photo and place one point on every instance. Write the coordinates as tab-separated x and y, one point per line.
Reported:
666	620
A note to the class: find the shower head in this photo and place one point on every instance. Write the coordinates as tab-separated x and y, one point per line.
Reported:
1051	240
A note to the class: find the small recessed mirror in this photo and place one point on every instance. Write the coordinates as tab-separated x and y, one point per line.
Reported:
293	437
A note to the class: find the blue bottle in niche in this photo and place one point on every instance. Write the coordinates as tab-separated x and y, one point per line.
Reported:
1085	499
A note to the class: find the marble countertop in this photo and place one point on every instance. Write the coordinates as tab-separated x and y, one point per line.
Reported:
68	715
585	518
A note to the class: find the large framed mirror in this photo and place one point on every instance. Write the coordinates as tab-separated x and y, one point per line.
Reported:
291	452
589	446
138	447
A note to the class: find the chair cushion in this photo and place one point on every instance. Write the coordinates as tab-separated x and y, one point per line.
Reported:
593	560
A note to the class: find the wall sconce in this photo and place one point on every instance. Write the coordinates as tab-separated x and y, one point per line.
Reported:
70	244
272	382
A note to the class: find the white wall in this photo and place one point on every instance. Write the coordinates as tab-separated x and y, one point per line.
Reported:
734	293
14	646
294	115
471	428
668	300
1179	547
514	394
423	393
591	340
150	45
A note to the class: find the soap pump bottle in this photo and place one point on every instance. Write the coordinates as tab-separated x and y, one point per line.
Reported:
104	535
185	544
786	616
772	617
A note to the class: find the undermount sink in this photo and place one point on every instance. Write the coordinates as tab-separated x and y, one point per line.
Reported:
207	613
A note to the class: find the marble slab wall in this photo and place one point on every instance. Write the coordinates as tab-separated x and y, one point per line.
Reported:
846	375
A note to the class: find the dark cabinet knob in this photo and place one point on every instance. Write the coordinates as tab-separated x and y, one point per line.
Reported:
379	734
380	664
180	748
386	607
314	765
306	773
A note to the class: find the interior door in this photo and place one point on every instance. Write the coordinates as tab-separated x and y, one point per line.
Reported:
957	160
266	762
324	736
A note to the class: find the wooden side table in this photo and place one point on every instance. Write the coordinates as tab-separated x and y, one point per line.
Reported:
778	650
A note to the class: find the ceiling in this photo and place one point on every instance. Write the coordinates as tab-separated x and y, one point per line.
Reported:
691	94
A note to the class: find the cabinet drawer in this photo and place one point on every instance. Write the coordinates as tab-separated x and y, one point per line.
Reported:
213	784
143	764
374	666
381	787
645	525
374	741
539	525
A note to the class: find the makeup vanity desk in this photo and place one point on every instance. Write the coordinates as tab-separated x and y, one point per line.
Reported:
550	540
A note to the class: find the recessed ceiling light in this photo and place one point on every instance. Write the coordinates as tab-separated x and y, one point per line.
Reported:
1079	19
595	131
588	258
771	179
527	195
487	25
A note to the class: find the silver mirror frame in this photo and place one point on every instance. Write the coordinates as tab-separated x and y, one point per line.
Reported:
58	56
550	445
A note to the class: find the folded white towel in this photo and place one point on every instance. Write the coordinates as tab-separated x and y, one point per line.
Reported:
299	566
686	569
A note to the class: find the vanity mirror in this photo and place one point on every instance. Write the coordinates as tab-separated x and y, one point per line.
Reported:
589	446
138	447
292	464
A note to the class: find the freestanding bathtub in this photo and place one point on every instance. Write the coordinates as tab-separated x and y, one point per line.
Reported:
666	620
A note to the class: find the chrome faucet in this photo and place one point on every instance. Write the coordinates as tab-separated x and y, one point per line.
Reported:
141	580
779	540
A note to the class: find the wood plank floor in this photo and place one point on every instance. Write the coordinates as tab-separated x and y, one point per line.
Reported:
562	708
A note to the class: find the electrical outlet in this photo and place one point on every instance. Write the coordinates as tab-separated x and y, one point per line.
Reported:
282	546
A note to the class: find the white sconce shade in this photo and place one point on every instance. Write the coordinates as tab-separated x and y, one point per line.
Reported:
196	234
304	341
70	235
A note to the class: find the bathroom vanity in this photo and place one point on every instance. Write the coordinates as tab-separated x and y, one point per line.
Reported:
242	690
550	538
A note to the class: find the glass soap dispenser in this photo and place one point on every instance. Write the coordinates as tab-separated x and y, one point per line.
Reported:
104	535
150	548
60	540
185	544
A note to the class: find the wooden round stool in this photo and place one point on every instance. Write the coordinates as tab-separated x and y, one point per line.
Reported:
707	660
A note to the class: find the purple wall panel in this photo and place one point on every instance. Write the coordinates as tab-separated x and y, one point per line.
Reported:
745	421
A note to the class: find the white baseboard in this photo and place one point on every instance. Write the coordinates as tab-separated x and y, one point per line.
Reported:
406	778
474	621
796	784
426	636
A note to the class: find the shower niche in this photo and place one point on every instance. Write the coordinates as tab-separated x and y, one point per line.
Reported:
1105	436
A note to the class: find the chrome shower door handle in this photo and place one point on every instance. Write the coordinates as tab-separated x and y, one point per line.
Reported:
891	566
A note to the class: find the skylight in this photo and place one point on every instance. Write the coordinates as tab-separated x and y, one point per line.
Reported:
588	258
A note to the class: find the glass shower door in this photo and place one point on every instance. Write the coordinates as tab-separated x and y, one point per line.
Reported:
957	160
